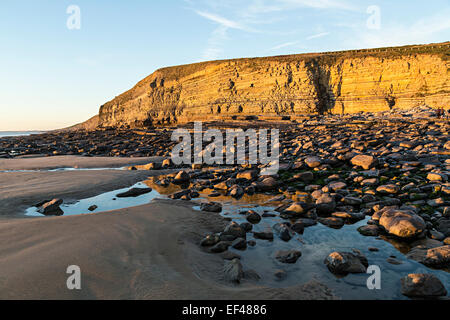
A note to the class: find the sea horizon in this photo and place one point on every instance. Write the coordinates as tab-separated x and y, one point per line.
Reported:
18	133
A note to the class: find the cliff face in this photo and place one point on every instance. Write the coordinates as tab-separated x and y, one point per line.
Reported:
340	82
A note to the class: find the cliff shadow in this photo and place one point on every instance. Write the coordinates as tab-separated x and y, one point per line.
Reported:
321	79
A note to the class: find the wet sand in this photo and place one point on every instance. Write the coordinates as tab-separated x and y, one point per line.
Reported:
49	163
20	190
146	252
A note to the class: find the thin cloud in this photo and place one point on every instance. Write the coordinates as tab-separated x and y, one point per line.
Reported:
284	45
214	50
221	20
319	35
318	4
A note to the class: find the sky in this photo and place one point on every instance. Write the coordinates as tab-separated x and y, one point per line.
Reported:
61	60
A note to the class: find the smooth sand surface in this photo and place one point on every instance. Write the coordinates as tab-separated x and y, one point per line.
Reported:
146	252
21	190
48	163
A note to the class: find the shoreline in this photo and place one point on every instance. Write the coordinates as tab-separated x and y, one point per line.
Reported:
21	190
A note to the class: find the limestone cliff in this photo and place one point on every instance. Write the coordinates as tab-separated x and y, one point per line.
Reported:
338	82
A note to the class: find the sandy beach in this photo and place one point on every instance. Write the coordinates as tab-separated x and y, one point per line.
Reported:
20	190
146	252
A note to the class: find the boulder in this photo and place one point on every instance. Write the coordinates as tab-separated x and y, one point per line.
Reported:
288	256
166	163
253	217
304	177
283	231
422	285
434	176
233	271
267	184
313	161
220	247
239	244
332	222
365	161
265	235
297	208
337	185
134	192
403	224
51	208
211	207
236	192
325	205
181	177
342	263
210	240
369	230
280	274
388	189
234	230
247	175
438	257
298	227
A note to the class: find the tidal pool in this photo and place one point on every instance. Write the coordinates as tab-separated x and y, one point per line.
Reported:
315	244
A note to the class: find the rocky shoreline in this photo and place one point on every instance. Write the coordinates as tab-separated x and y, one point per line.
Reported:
335	171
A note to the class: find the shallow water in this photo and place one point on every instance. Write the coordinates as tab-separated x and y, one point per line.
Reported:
315	244
105	202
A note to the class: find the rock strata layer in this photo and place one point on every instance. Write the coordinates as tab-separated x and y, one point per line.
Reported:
340	82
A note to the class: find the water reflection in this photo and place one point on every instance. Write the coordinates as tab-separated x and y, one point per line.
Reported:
315	243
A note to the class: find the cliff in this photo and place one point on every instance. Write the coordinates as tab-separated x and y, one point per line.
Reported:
337	82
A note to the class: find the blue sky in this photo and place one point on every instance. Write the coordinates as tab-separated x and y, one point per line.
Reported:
52	77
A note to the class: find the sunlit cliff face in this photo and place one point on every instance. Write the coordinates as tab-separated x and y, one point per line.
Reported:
339	83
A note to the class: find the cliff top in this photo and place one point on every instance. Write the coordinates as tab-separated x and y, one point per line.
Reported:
331	57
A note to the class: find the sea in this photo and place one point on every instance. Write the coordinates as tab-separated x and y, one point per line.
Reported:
17	133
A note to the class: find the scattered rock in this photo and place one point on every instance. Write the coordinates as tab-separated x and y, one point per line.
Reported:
365	161
283	231
51	208
369	230
220	247
346	262
332	222
181	177
239	244
134	192
325	205
403	224
235	230
210	240
233	270
422	285
288	256
211	207
280	274
253	217
265	235
313	162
